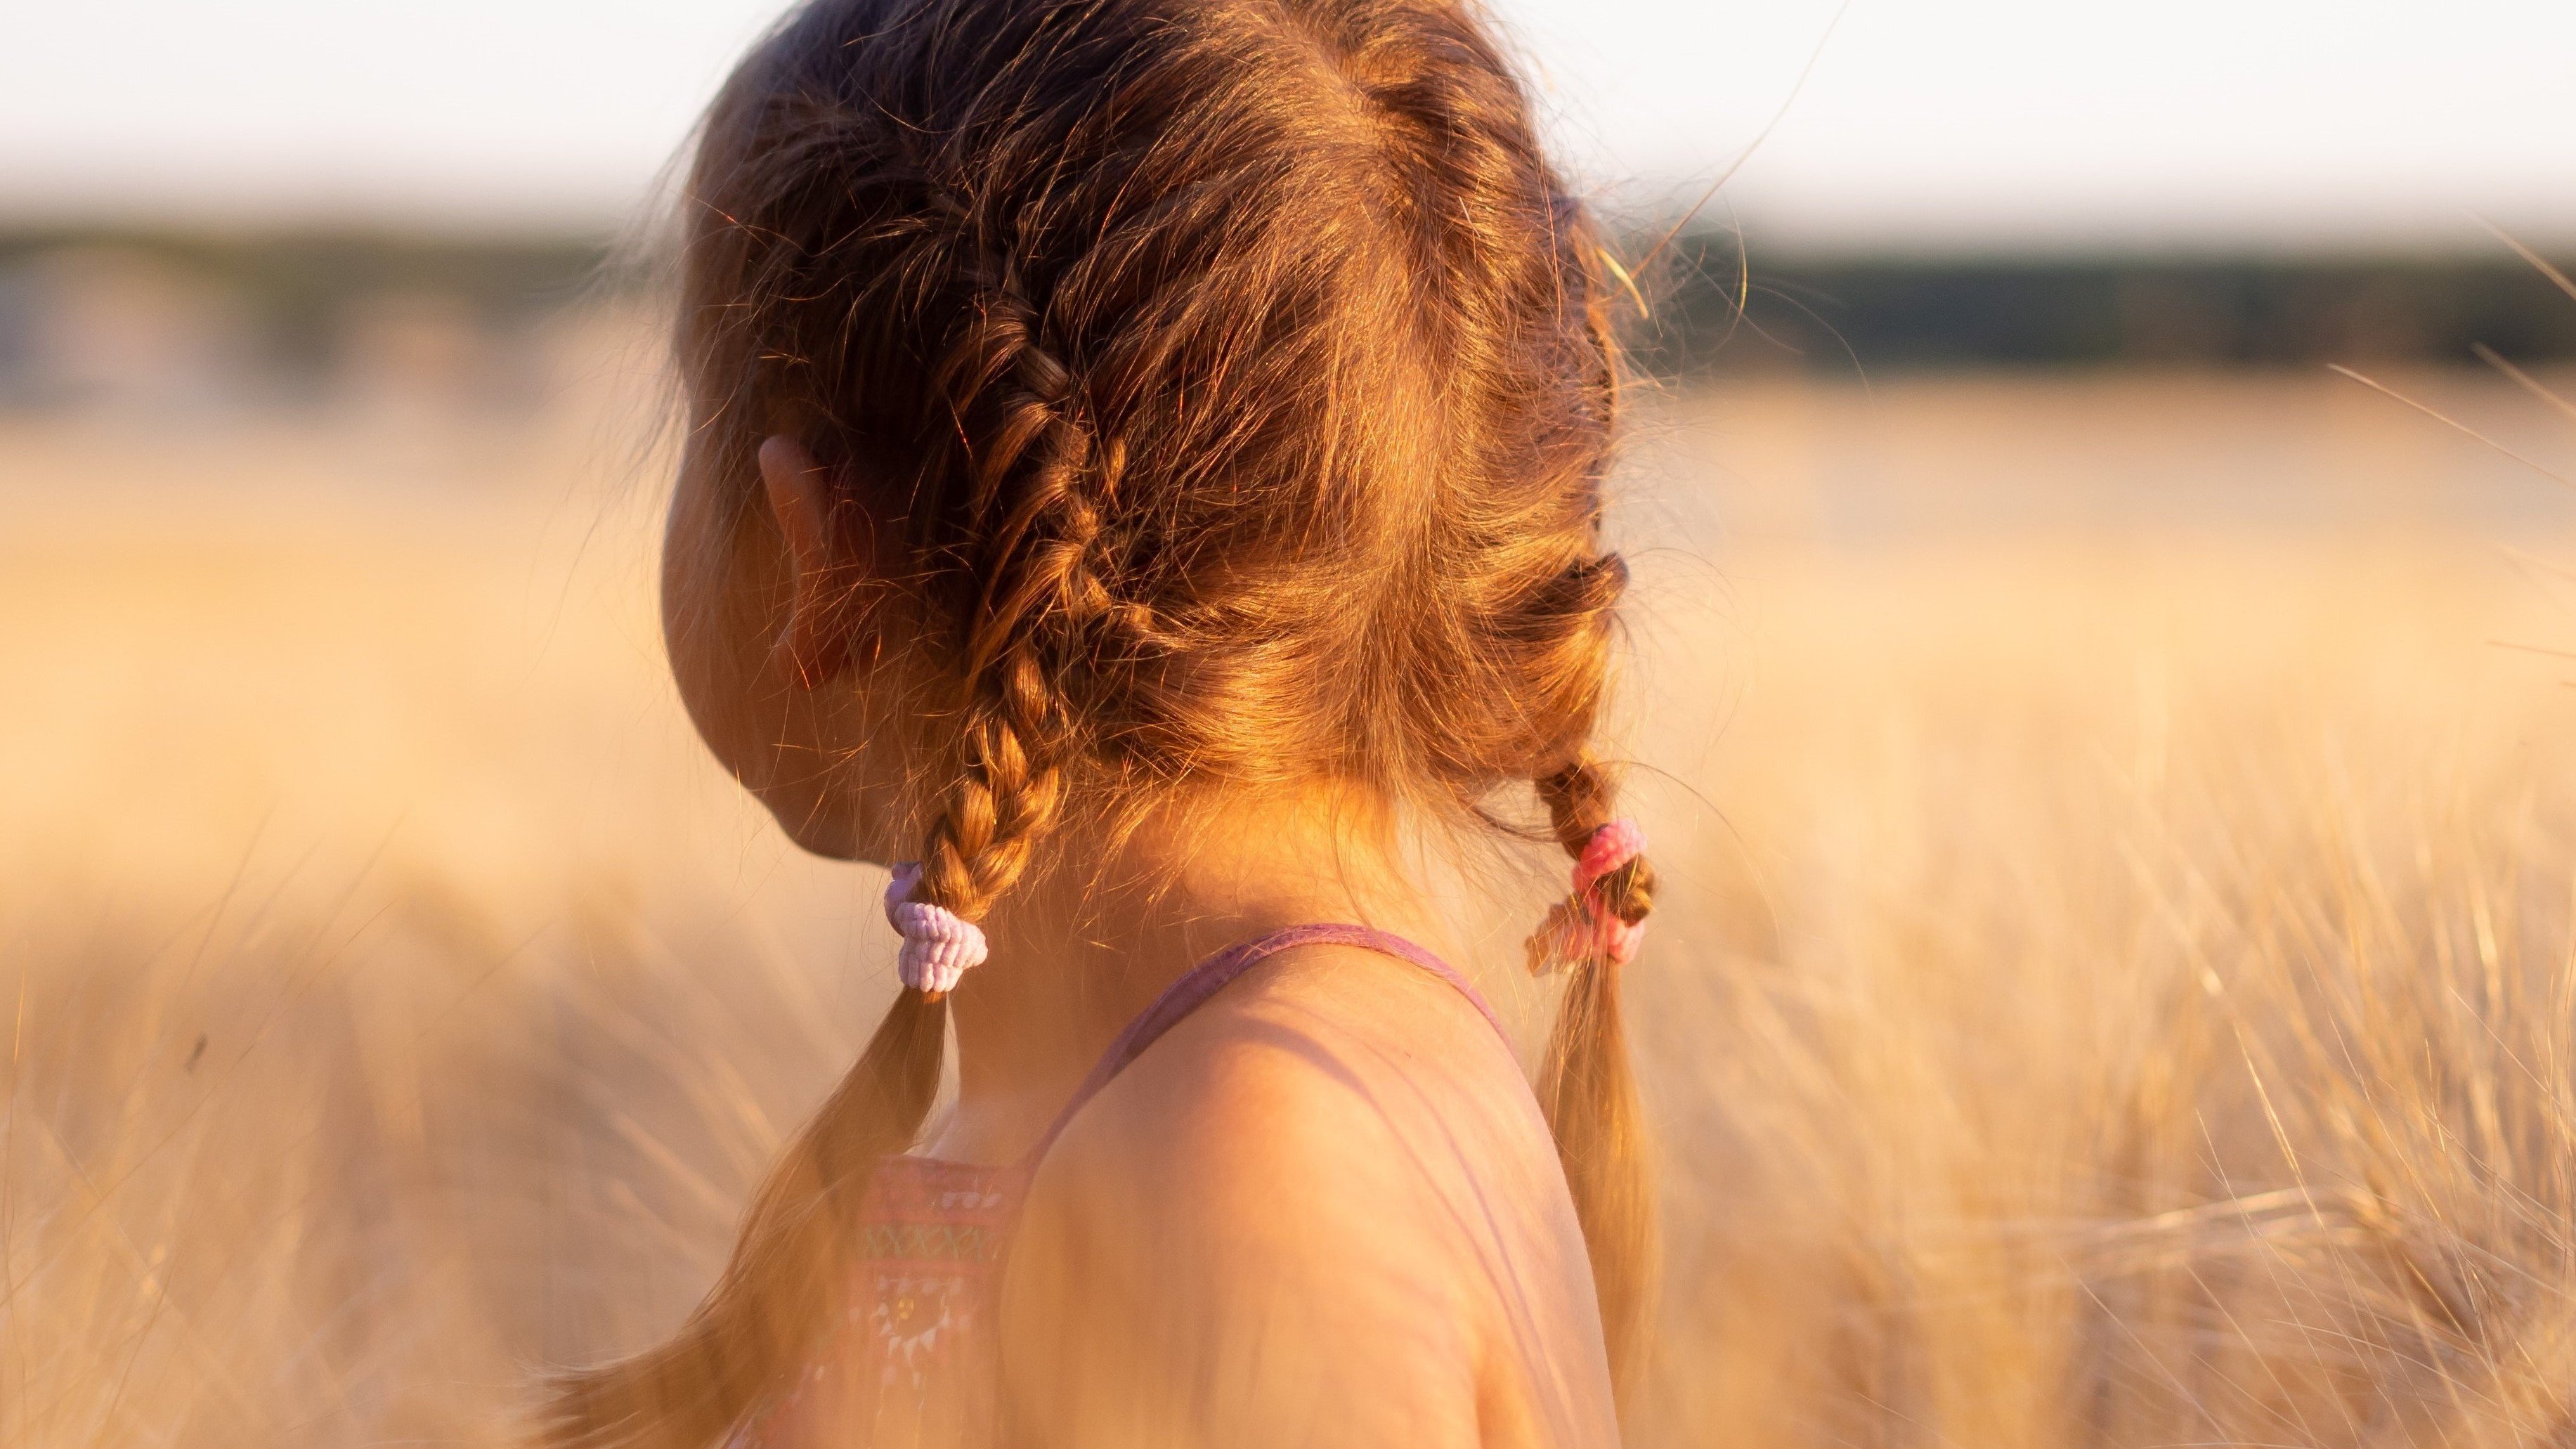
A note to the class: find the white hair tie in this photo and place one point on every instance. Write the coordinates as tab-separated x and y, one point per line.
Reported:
938	943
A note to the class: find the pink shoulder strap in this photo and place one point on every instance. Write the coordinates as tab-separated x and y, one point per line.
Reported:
1212	975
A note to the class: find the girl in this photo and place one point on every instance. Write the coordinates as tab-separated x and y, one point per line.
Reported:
1144	470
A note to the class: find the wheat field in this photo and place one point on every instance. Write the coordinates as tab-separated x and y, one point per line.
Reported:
2114	988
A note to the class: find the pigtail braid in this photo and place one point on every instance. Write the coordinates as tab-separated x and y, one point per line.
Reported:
1036	472
1032	471
1589	1091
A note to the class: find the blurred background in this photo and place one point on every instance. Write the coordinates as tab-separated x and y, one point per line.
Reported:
285	204
2112	765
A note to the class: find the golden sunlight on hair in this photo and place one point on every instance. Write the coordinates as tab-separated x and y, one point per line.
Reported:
1152	346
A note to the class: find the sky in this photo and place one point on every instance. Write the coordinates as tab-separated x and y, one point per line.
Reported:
1920	124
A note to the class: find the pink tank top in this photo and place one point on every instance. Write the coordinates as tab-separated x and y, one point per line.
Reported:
913	1354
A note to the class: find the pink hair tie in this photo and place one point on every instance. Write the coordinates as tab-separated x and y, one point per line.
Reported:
938	943
1582	925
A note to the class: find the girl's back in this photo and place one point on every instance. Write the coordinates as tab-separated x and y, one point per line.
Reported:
1336	1149
1331	1190
1144	476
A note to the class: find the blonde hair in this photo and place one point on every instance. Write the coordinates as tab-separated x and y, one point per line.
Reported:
1238	376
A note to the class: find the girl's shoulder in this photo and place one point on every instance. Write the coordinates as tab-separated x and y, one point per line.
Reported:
1337	1165
1325	1056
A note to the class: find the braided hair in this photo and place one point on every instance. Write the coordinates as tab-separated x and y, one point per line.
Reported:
1237	377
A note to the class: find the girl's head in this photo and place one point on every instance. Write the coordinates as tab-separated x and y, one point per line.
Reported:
1207	398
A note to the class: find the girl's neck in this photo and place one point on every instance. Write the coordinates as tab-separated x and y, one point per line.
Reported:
1113	917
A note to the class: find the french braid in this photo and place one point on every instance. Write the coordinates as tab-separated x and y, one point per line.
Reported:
1033	469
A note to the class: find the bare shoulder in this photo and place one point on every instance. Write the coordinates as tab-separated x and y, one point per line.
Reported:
1325	1204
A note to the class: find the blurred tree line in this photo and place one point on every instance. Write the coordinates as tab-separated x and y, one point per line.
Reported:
1715	309
163	319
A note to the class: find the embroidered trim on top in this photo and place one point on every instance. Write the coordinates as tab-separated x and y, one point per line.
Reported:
929	1243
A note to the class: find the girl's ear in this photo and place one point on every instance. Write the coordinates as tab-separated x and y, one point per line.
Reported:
827	576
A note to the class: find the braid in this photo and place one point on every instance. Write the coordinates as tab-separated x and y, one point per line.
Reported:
1005	793
1034	470
1032	529
1579	801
